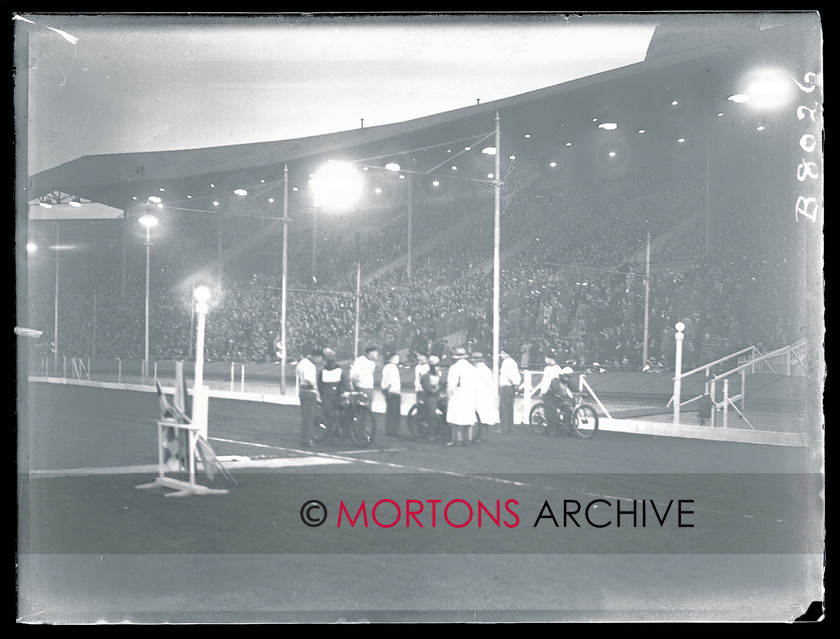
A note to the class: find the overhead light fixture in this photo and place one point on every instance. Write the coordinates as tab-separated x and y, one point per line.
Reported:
271	200
720	115
75	204
641	130
681	140
769	88
377	190
467	148
162	190
760	128
739	98
552	164
212	186
612	154
674	102
568	144
294	188
154	198
402	177
490	175
594	119
454	168
215	203
31	247
608	126
527	135
512	157
489	150
392	166
160	206
240	192
189	197
201	294
262	181
435	183
133	197
337	185
148	221
46	205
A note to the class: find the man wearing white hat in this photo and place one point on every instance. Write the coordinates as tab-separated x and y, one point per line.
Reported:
460	387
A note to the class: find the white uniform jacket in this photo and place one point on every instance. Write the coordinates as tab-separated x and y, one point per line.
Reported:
486	400
461	383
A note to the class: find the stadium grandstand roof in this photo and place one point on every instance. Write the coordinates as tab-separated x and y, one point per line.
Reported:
701	66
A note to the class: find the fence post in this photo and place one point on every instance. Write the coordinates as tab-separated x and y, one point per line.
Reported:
88	370
64	367
155	369
242	379
787	361
743	387
725	403
119	371
712	396
232	366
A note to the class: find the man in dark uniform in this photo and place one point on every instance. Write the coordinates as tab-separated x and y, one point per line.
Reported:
332	382
432	384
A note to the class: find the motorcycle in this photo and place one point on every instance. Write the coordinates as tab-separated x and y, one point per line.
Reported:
355	419
582	419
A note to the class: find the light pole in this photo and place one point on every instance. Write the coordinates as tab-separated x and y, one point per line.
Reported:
358	296
678	338
646	328
497	186
55	318
200	391
284	279
148	221
338	186
410	204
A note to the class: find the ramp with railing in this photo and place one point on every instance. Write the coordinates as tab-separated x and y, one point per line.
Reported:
783	362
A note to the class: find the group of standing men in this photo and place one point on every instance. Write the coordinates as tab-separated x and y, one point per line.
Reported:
473	403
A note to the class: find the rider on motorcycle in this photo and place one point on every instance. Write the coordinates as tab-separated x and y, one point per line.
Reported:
431	383
333	382
554	390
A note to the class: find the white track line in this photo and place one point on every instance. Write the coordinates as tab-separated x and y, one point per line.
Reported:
373	462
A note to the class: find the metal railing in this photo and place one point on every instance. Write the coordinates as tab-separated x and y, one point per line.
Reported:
782	361
706	369
783	358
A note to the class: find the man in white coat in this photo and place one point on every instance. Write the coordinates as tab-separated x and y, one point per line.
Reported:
486	401
509	380
460	387
391	387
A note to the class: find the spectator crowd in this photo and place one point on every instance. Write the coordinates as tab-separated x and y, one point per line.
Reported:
571	279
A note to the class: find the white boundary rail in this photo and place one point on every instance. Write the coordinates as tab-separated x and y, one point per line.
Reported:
529	388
